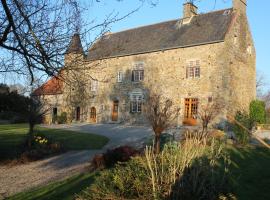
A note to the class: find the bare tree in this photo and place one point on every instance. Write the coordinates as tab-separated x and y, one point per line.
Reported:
161	115
208	112
35	34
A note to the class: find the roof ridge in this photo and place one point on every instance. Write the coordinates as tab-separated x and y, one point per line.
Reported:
147	25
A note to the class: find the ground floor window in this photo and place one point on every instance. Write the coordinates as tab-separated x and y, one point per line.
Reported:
136	104
191	108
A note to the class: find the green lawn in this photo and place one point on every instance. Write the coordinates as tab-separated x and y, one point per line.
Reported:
250	174
12	136
63	190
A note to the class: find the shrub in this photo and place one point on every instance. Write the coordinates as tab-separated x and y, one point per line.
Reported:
41	147
62	119
127	180
112	156
191	170
257	111
241	134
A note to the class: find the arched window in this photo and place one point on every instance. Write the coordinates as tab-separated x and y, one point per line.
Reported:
136	99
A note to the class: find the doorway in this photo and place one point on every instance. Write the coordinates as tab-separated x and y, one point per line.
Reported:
115	111
78	114
191	111
54	115
93	115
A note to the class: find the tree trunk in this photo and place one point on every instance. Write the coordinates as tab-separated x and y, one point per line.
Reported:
157	143
30	134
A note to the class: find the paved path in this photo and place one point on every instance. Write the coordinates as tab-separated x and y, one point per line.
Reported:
23	177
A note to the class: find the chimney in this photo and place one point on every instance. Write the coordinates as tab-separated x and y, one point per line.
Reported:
240	5
189	10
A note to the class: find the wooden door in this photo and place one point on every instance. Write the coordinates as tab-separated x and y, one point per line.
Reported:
191	111
78	114
115	111
93	115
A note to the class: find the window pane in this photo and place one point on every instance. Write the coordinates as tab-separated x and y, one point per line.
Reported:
119	77
139	106
197	72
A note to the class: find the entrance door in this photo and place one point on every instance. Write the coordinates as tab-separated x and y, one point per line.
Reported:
78	114
191	111
115	111
54	115
93	115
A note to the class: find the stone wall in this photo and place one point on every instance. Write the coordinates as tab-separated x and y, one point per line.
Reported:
228	72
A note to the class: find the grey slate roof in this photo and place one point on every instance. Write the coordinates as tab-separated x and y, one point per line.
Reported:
75	45
204	28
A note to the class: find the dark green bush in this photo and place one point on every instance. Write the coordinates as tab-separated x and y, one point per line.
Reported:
241	134
257	111
62	119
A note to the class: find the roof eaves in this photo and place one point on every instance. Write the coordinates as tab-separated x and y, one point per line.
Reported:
156	50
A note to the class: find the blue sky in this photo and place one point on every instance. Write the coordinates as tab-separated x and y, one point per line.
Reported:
257	11
258	15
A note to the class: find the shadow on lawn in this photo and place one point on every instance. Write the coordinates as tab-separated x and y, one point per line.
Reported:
69	160
63	190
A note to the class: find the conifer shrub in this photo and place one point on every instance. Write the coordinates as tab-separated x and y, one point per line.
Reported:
242	135
257	112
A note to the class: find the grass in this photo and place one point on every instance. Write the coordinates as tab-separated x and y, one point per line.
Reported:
64	190
251	173
12	137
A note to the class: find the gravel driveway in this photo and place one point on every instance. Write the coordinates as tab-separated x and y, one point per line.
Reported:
23	177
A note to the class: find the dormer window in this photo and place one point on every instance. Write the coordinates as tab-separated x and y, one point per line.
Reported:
193	69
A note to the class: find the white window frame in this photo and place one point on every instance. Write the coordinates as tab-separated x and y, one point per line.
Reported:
136	104
120	77
138	75
138	72
193	69
94	85
136	101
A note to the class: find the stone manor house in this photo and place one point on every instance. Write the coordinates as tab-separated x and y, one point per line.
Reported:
191	60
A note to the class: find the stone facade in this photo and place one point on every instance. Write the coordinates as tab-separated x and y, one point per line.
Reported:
96	90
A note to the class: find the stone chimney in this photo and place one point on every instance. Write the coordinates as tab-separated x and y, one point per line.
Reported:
240	5
189	10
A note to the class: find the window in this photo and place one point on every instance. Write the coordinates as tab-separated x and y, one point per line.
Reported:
249	50
138	72
120	77
136	100
137	75
191	108
94	85
193	69
136	104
